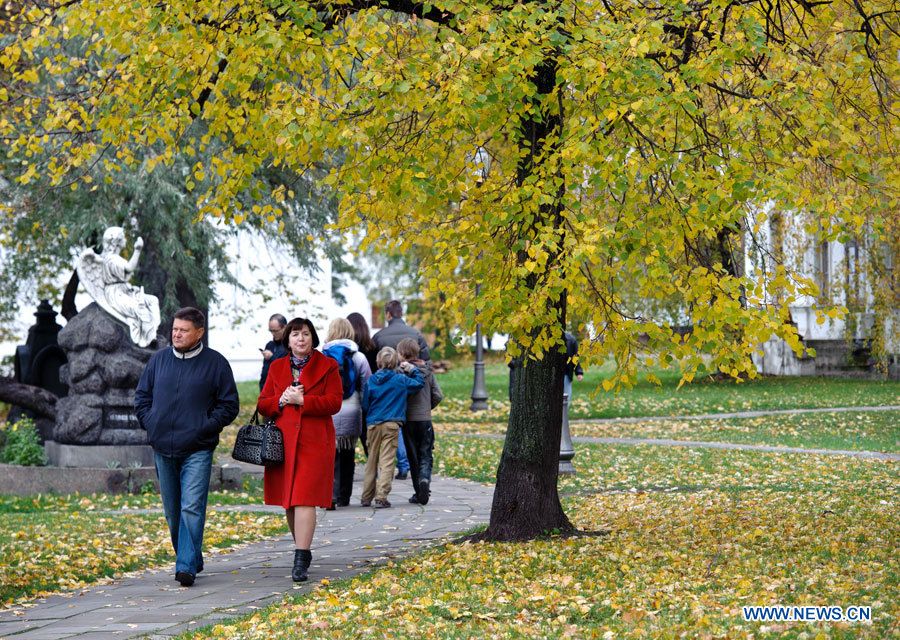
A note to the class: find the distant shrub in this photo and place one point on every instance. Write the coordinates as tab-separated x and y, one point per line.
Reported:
22	444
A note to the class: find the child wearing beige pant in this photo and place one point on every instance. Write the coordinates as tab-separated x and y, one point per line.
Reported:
384	405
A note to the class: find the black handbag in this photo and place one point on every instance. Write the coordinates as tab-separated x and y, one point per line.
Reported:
257	443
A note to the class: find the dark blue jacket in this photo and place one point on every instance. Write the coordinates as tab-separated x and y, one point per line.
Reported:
278	351
384	396
183	403
572	369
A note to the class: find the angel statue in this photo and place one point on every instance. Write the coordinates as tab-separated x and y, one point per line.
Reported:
106	276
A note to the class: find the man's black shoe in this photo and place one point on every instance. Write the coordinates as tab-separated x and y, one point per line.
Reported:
400	476
184	578
414	499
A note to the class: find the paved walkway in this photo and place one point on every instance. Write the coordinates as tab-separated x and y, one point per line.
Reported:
704	444
666	442
348	541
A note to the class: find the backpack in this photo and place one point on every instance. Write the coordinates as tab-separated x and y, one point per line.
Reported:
349	375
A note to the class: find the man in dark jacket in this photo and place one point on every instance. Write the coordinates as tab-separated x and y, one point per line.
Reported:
185	397
390	336
274	348
573	369
397	329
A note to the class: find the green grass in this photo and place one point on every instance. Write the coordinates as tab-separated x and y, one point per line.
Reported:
705	395
850	430
605	468
854	431
248	392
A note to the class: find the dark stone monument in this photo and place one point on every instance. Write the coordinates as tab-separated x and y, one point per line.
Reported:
95	424
38	362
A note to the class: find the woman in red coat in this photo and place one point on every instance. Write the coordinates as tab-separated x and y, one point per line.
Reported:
302	391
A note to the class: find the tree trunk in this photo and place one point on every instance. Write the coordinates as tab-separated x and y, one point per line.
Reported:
35	399
526	501
69	310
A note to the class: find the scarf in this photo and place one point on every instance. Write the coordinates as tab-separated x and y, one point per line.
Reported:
297	365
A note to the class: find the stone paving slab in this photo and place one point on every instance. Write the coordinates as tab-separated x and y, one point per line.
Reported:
347	542
702	444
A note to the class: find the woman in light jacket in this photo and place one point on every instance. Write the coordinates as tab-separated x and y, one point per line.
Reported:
348	422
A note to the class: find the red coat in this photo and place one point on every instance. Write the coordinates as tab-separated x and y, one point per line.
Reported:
307	475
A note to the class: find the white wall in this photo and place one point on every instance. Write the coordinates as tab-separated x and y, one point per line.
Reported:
239	319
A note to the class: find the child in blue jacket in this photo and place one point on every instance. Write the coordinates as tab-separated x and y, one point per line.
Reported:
384	404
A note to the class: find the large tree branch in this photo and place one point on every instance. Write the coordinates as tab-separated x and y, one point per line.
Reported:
41	401
408	7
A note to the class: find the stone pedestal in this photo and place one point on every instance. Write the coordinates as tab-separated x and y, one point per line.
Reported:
103	370
99	456
26	481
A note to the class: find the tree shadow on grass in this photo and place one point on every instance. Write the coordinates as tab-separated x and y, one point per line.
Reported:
480	535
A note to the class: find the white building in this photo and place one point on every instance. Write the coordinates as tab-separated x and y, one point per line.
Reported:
847	274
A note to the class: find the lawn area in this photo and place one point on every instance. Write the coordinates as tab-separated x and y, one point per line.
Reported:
686	538
611	468
852	430
646	399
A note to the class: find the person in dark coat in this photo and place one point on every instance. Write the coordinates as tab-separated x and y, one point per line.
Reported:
363	339
302	392
397	329
573	369
274	348
418	430
185	397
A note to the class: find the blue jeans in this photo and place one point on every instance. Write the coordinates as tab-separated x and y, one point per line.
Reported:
402	460
184	487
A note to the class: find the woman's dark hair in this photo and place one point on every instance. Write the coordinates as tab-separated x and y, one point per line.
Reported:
192	315
295	325
363	340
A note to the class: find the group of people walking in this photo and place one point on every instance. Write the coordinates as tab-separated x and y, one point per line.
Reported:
324	401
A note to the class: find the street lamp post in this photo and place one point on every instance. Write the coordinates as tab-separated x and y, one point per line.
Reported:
566	448
479	391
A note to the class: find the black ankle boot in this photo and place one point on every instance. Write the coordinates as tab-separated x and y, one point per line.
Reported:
302	560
